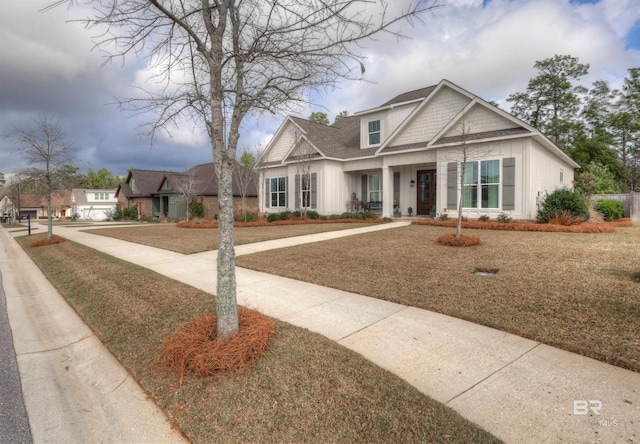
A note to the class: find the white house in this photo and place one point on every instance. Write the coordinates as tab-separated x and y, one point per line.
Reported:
93	204
408	153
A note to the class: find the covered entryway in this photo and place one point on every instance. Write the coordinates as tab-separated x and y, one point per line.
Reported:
426	198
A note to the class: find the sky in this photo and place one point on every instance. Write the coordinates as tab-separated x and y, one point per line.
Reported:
488	47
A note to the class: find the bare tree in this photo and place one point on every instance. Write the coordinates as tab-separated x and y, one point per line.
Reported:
464	155
185	185
220	60
245	175
44	148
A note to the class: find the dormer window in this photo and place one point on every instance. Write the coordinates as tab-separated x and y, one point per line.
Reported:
374	132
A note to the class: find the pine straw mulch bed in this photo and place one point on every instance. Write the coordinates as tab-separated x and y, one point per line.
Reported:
194	348
42	242
464	240
585	227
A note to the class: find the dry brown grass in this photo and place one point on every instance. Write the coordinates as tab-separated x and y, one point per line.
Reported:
194	348
305	388
169	237
464	240
263	222
573	291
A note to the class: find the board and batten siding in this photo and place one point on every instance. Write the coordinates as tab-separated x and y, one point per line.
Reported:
545	171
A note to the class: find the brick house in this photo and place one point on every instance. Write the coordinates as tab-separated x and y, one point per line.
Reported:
162	194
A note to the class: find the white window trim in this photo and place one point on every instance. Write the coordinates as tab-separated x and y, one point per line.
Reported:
479	185
277	192
379	132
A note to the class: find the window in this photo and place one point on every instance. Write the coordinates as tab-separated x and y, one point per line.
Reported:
97	196
561	176
374	132
481	184
374	187
278	192
101	196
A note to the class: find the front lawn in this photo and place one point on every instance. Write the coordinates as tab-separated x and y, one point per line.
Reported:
196	240
577	292
305	389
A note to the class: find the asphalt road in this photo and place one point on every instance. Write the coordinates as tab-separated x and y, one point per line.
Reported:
14	424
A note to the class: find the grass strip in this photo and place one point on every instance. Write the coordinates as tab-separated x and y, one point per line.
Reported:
189	241
306	389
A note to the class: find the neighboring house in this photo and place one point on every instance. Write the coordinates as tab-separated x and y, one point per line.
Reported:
7	208
161	193
93	204
407	153
35	206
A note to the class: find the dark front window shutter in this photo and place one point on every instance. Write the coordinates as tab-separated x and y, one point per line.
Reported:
297	192
365	192
452	185
267	199
314	190
286	192
509	183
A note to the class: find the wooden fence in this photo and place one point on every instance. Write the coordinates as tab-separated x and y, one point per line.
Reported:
630	201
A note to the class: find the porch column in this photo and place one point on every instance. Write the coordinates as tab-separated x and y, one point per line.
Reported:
387	191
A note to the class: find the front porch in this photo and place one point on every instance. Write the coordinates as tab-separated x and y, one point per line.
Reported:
394	191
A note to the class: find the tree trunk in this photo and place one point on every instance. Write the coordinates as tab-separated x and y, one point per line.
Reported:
226	304
49	217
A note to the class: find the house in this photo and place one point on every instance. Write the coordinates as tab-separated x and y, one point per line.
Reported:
407	153
7	208
93	204
35	205
161	193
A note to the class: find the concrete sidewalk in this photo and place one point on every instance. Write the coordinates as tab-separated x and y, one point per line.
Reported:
74	390
520	390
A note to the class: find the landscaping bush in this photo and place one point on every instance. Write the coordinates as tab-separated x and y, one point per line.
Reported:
249	217
504	218
313	215
195	208
561	202
609	208
443	217
273	217
368	215
484	218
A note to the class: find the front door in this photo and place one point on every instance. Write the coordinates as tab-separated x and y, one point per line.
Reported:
426	191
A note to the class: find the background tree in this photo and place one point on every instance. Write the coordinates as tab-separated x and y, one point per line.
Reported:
319	117
221	60
2	181
341	115
44	148
185	185
244	176
551	100
102	179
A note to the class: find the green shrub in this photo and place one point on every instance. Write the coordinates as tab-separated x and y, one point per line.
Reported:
484	218
195	208
561	202
368	215
273	217
504	218
443	216
248	217
313	215
610	209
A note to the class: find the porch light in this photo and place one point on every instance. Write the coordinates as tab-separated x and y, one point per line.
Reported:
413	182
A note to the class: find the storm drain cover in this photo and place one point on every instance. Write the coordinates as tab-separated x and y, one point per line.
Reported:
485	271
